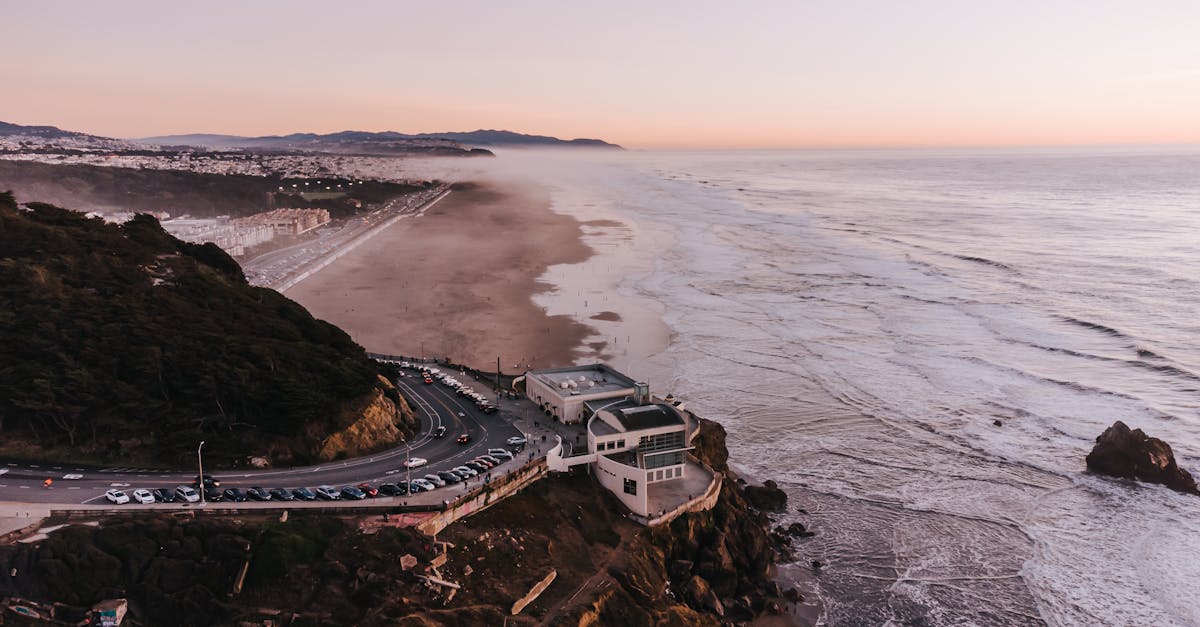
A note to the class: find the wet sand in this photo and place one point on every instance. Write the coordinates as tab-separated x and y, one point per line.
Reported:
458	282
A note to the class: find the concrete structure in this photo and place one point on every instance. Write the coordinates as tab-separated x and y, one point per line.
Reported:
231	235
288	221
563	392
636	446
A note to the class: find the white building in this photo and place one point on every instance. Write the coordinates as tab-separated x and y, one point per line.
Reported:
636	447
562	392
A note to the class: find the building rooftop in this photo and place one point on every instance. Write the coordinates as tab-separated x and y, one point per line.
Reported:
647	417
589	379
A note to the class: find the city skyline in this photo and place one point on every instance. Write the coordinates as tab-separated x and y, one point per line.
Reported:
671	75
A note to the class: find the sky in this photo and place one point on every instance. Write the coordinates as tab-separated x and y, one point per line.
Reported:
697	74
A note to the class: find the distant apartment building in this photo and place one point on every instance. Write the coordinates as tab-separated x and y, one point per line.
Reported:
287	221
232	237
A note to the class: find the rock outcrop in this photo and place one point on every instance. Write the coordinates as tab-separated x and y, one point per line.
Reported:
767	497
1131	454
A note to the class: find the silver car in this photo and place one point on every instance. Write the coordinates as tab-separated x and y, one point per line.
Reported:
435	480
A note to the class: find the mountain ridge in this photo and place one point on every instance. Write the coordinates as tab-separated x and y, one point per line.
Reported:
479	137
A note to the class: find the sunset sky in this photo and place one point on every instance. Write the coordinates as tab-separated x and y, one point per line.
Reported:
646	75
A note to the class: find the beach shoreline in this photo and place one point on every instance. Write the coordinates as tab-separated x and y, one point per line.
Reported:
458	282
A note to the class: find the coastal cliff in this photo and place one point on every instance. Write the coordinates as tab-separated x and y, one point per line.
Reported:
559	553
383	423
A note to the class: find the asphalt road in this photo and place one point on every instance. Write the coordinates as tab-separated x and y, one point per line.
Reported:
434	404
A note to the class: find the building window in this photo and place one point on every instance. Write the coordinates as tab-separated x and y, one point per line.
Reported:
630	486
661	460
658	475
620	443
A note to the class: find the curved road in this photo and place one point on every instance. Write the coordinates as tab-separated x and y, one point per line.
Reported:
435	405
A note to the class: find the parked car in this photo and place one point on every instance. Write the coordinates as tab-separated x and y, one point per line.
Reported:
187	494
466	472
281	494
415	462
450	477
391	489
116	497
209	481
304	494
435	480
483	462
464	438
476	466
328	493
236	495
166	495
212	494
495	462
500	453
368	490
439	432
258	494
351	493
516	440
425	484
143	496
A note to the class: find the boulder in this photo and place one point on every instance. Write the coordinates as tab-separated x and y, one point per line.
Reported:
1131	454
767	497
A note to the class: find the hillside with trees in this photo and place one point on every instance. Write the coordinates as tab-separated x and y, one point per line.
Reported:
122	344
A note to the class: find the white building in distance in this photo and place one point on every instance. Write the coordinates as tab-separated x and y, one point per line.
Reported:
562	392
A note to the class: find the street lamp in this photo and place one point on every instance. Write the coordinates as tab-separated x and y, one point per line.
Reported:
200	483
408	465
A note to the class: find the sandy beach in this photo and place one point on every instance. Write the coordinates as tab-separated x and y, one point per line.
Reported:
458	282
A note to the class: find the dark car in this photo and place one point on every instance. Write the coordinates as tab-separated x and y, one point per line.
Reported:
450	477
464	438
489	458
163	495
392	489
440	432
415	487
304	494
484	462
209	481
281	494
258	494
462	473
212	494
351	493
237	495
476	466
368	490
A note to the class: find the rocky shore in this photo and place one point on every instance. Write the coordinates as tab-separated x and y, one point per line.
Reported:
1131	454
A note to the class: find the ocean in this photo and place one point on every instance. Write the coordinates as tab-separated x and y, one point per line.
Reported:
860	320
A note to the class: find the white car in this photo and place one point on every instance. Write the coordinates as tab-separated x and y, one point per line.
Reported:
500	453
415	462
328	493
116	496
516	440
424	484
187	494
143	496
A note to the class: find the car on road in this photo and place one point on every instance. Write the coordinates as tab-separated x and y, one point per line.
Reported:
500	453
464	438
258	494
237	495
73	475
463	469
328	493
450	477
439	432
116	497
425	484
428	380
187	494
391	489
461	415
143	496
209	481
304	494
351	493
281	494
435	480
516	440
165	495
415	462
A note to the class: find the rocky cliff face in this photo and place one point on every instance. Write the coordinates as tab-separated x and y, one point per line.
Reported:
1131	454
381	424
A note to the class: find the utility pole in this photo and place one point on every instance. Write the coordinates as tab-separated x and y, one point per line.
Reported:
200	461
408	465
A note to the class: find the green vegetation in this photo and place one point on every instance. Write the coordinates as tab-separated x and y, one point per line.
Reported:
122	343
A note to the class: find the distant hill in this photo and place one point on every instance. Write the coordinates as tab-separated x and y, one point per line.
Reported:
122	344
367	139
48	132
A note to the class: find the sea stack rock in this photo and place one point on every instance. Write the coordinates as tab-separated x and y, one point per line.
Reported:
1131	454
767	497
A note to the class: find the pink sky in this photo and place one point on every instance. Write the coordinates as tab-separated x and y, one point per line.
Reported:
671	74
